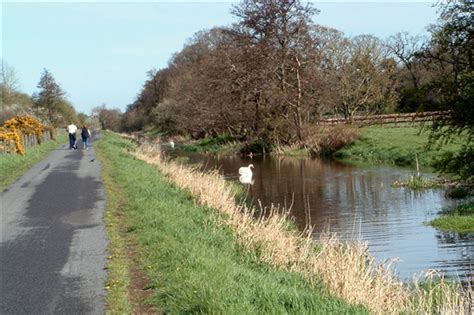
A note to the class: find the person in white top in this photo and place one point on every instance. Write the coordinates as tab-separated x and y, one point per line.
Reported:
71	129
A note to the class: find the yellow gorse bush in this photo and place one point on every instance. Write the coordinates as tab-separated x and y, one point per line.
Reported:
14	129
12	135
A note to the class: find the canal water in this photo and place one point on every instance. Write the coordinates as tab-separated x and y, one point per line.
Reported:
358	203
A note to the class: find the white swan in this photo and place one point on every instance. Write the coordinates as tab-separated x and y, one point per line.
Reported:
246	171
246	179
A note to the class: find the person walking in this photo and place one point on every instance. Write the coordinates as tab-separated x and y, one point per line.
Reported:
85	134
71	129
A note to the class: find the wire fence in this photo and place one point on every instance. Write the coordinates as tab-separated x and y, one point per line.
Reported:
394	119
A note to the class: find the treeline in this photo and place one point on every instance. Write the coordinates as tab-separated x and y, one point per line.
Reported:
274	73
269	76
49	105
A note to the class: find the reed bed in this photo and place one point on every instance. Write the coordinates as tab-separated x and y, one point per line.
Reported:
346	268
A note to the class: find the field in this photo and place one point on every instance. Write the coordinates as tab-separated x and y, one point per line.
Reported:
397	146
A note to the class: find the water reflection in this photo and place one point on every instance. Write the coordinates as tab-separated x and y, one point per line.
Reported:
357	203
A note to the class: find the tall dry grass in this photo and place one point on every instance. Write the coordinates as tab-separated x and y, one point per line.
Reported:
324	140
345	267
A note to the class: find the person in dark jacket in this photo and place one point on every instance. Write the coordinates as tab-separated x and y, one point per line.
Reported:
85	134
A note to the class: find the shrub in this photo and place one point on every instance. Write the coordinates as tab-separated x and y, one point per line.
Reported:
325	140
457	193
13	129
256	147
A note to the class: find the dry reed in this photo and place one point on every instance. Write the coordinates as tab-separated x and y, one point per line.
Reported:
321	139
346	268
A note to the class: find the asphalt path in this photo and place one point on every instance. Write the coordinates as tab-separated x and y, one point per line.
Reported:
53	242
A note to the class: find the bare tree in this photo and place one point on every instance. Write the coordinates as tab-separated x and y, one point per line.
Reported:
361	77
8	84
406	50
279	31
108	118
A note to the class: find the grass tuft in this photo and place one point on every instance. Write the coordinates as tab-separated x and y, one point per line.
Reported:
458	219
417	183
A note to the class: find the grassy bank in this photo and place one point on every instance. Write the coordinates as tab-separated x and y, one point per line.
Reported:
14	165
118	281
193	263
397	146
458	219
222	144
347	268
377	144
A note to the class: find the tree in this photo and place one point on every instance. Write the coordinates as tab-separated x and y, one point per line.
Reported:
451	48
65	113
359	75
414	73
8	84
82	118
50	96
279	31
109	119
406	49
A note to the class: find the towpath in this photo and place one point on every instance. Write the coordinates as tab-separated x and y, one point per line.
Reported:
53	242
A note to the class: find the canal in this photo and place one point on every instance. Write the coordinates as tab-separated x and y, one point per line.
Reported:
357	202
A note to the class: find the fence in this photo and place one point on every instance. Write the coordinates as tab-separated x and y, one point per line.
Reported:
9	146
386	119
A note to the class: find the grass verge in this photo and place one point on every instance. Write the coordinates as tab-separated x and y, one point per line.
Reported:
118	278
14	165
398	146
458	219
192	262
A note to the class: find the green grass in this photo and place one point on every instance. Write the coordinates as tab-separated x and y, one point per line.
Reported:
13	166
458	219
397	146
118	276
193	264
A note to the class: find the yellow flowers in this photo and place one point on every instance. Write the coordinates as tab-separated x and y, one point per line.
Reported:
112	284
15	128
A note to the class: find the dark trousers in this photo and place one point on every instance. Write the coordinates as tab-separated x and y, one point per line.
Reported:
85	142
72	141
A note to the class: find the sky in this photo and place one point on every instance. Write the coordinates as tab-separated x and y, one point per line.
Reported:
100	52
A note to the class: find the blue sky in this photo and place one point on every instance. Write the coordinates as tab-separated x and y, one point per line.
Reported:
100	51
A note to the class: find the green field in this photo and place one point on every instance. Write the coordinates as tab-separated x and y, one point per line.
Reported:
14	165
397	146
192	263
